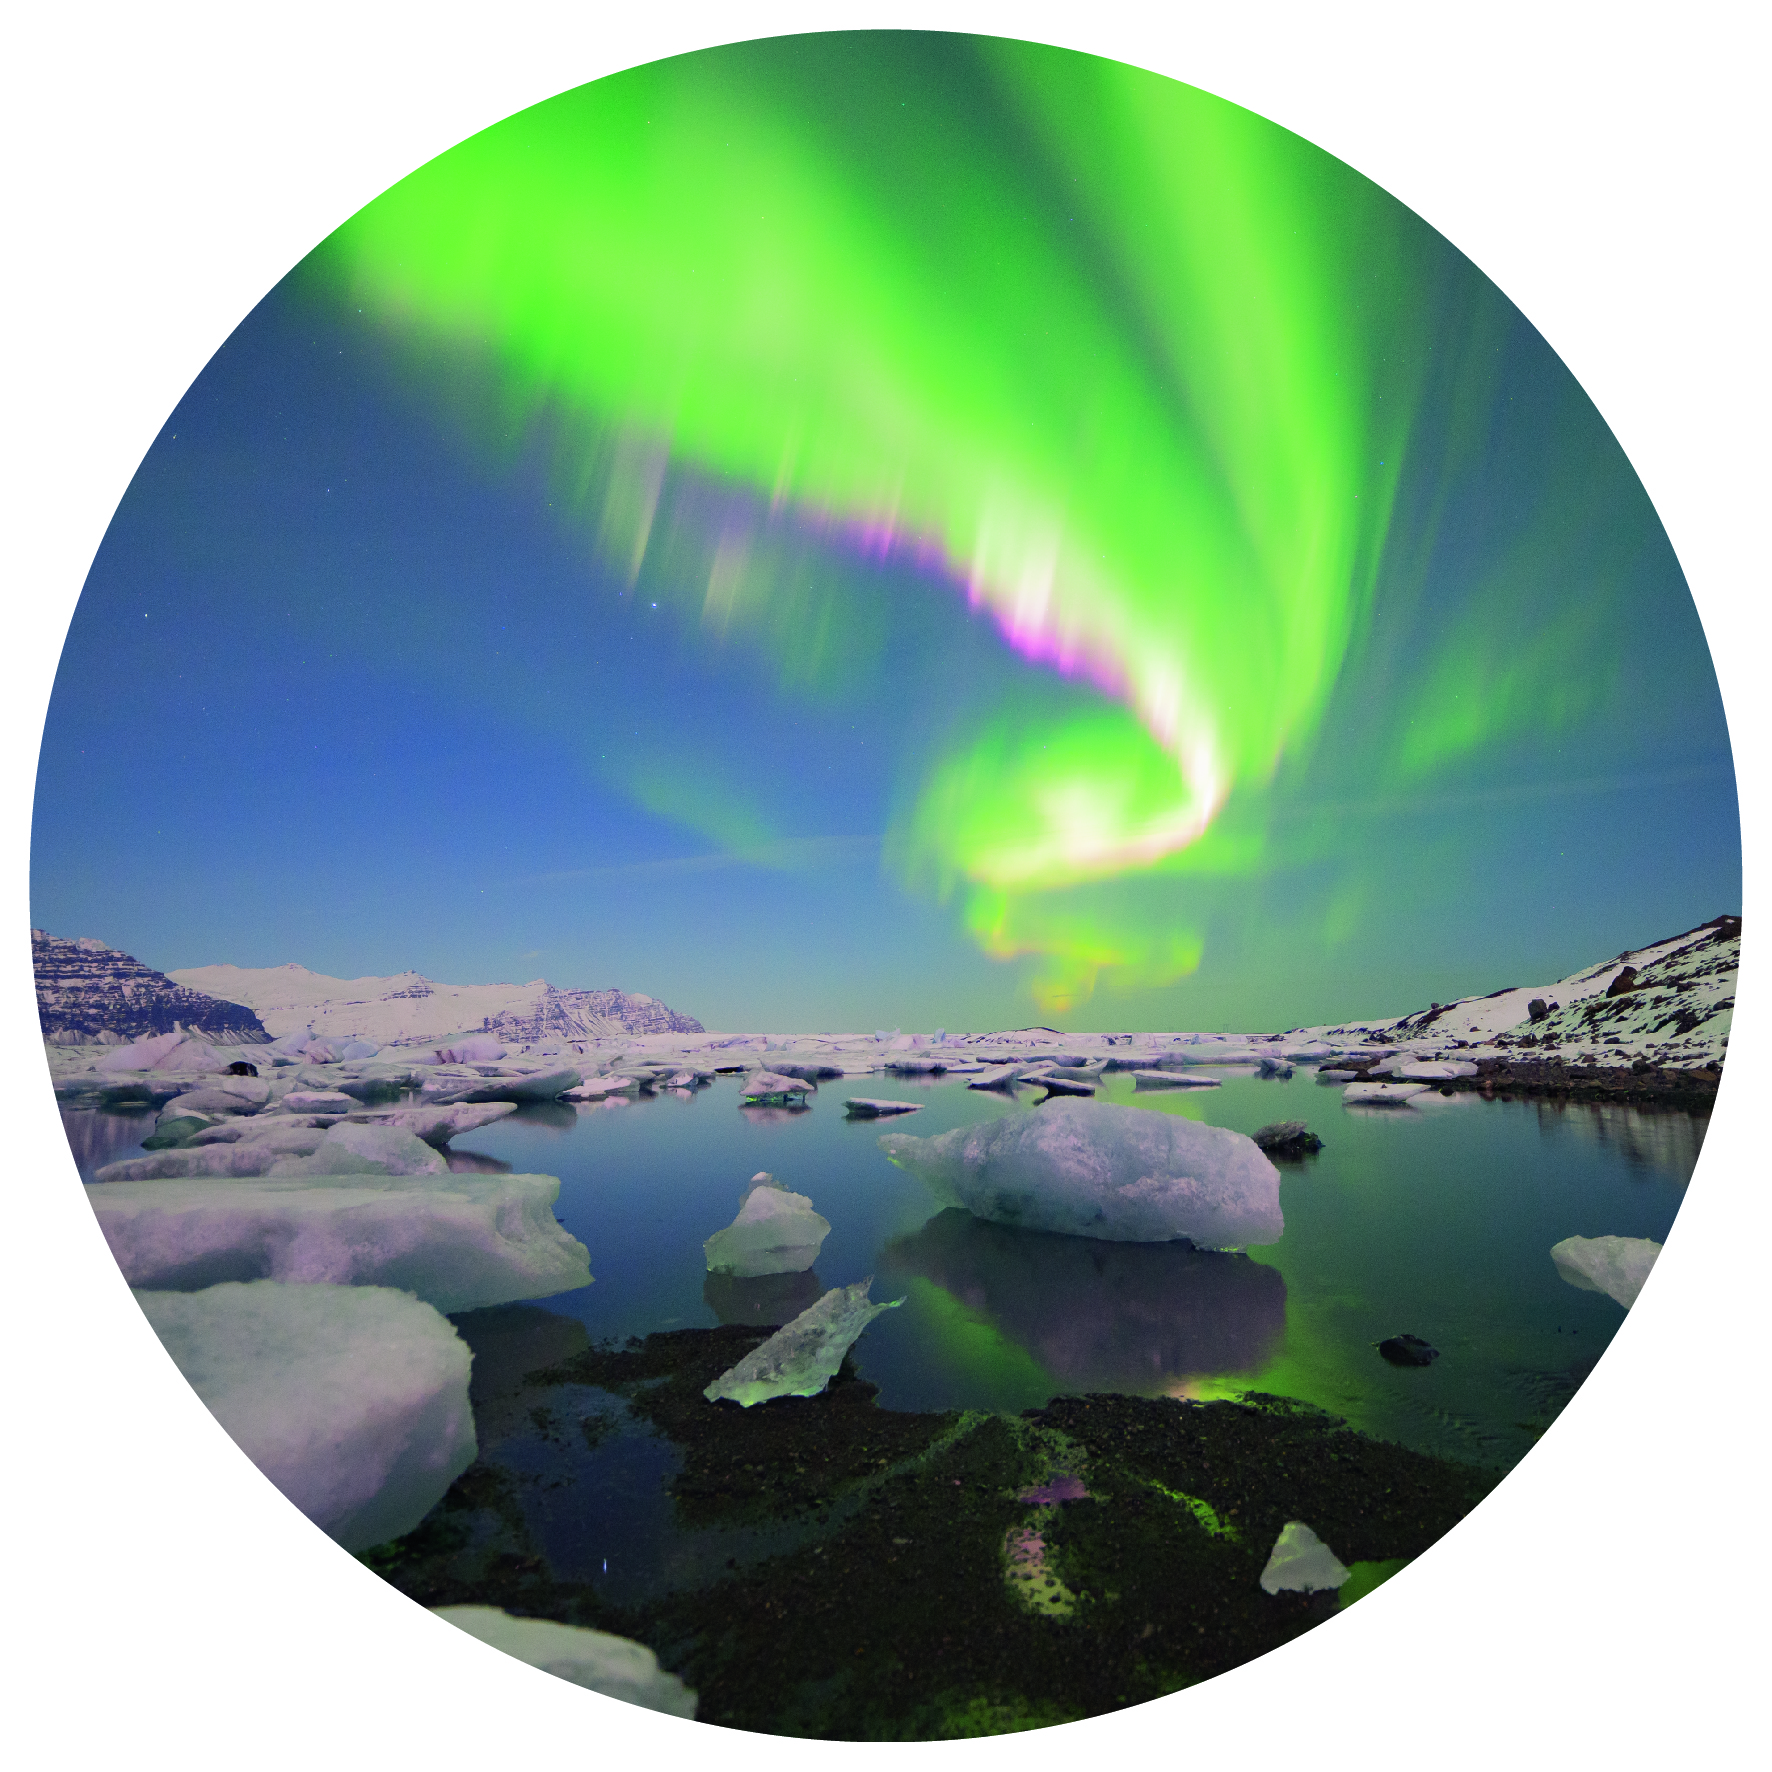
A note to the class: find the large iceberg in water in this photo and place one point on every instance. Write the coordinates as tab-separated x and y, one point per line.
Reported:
353	1400
1097	1169
459	1242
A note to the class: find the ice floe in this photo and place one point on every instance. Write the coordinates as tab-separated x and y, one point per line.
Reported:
614	1666
1099	1169
353	1400
1301	1563
458	1241
775	1232
1617	1266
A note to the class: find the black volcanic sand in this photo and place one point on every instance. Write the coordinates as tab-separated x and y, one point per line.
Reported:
870	1599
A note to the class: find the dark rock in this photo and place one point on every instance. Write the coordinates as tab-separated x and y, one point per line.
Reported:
1408	1350
1627	977
87	989
1537	1009
240	1068
1288	1138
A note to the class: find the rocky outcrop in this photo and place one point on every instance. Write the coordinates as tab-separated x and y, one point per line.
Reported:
87	991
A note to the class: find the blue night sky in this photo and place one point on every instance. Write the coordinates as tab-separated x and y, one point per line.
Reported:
351	684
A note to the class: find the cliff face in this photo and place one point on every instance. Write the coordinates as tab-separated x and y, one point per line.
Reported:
581	1015
86	991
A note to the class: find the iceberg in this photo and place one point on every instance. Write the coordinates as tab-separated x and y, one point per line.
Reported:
353	1400
457	1241
1301	1563
802	1357
1099	1169
1617	1266
775	1232
351	1148
615	1666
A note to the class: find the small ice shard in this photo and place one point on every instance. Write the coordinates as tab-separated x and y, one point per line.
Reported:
1098	1169
1063	1487
353	1400
775	1232
872	1107
1617	1266
615	1666
802	1357
1301	1563
459	1242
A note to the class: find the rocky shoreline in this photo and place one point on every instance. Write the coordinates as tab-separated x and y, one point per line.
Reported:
1640	1084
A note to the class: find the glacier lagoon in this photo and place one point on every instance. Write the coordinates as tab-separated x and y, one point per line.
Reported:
1435	1220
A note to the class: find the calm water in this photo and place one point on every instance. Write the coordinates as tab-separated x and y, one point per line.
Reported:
1435	1222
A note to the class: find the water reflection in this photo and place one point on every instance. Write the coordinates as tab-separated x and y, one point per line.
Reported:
509	1341
547	1116
765	1116
1104	1316
472	1163
765	1299
1663	1139
97	1137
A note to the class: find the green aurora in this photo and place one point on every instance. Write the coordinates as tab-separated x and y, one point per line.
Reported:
1143	377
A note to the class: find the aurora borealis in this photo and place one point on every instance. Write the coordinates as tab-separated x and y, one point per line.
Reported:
1032	519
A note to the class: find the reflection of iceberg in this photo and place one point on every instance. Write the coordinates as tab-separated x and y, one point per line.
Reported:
508	1342
1104	1316
767	1299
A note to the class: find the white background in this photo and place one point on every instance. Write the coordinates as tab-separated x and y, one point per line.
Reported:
167	164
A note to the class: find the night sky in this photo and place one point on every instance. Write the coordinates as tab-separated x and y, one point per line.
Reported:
749	559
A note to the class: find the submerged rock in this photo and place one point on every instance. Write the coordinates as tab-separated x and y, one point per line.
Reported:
1301	1563
353	1400
1099	1169
802	1357
615	1666
1408	1350
775	1232
457	1241
1617	1266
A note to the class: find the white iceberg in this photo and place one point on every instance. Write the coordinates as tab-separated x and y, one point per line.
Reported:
1301	1563
1617	1266
353	1400
354	1148
458	1241
1098	1169
437	1124
1382	1094
615	1666
802	1357
775	1232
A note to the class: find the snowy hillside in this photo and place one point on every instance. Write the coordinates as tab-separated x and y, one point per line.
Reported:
408	1007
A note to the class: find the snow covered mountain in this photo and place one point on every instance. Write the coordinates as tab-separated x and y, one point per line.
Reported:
87	991
1669	1003
408	1007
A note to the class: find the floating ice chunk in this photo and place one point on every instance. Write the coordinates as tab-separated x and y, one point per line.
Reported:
531	1086
1099	1169
238	1157
775	1232
615	1666
1172	1080
1617	1266
318	1101
458	1241
353	1148
802	1357
1301	1563
871	1107
1431	1070
437	1124
1382	1094
353	1400
772	1085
